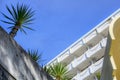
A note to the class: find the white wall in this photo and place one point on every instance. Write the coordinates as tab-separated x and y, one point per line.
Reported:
16	61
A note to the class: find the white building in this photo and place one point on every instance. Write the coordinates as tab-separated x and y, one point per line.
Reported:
84	58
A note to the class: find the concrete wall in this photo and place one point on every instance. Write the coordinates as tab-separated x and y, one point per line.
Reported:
107	66
4	75
16	61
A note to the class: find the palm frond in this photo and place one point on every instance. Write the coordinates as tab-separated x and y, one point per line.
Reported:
10	19
20	16
29	13
7	22
14	12
59	71
46	69
28	21
22	30
34	55
27	27
10	11
10	27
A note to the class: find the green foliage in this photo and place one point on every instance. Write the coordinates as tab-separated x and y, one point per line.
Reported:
58	71
98	75
20	17
46	69
34	55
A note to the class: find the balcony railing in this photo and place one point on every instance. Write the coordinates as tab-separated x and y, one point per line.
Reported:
69	67
103	27
96	48
81	76
83	61
93	50
76	46
84	74
97	66
89	71
104	42
63	56
90	36
79	60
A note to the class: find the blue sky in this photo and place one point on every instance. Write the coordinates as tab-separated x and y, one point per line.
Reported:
59	23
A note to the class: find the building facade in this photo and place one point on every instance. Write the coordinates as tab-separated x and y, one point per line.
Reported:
84	58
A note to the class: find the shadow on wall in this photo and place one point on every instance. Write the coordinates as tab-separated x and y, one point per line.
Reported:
4	75
17	62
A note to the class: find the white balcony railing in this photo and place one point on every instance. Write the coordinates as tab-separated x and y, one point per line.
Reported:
89	71
97	66
104	42
103	27
93	50
84	74
76	47
69	67
116	14
79	60
90	36
63	56
96	48
75	77
81	76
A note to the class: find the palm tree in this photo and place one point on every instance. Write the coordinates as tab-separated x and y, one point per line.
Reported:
20	17
58	71
98	75
34	55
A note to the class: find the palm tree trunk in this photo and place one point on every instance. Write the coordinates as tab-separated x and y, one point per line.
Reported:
13	32
58	78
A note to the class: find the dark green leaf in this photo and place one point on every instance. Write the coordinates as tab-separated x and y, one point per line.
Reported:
7	22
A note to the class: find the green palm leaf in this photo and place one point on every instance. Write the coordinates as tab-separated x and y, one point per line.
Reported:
21	16
7	22
34	55
11	13
28	27
58	71
10	19
22	30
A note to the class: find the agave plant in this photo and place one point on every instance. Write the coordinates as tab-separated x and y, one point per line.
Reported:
58	71
34	55
20	17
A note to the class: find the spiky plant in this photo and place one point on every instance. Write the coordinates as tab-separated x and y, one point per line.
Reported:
20	17
34	55
59	72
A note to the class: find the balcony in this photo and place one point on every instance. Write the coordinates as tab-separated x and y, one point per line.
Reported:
98	50
92	38
94	68
83	75
69	67
88	72
81	62
78	48
104	42
64	56
91	52
103	29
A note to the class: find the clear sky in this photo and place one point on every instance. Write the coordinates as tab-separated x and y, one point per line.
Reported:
59	23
